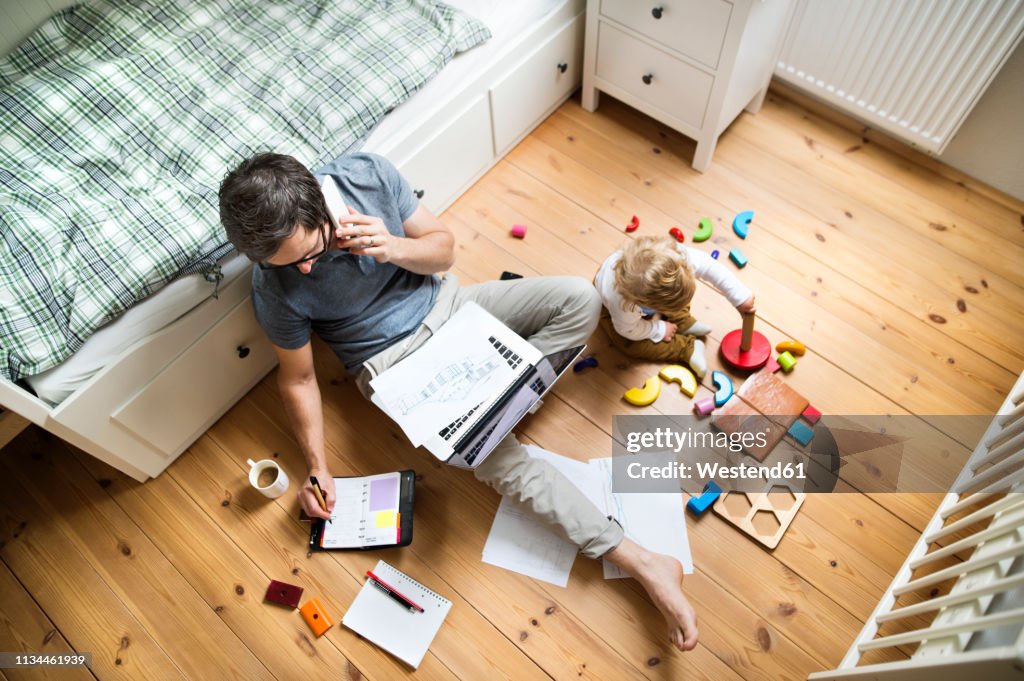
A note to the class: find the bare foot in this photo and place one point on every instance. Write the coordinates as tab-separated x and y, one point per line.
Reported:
662	577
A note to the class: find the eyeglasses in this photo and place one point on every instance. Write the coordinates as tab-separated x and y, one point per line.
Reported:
323	238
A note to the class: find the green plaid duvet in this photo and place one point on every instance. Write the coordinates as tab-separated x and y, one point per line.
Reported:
118	120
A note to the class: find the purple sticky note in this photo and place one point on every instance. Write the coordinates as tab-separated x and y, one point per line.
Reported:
383	493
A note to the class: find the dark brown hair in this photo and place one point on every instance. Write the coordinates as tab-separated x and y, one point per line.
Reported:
263	201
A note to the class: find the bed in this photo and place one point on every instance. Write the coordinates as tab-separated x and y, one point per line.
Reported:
144	386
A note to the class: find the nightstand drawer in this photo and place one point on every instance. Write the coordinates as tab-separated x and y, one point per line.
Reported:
695	28
675	87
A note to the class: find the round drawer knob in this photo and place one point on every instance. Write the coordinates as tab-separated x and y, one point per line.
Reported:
656	12
563	67
419	193
648	77
242	351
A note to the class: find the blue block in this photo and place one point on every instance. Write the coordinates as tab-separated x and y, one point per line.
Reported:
585	363
736	255
723	387
800	432
714	254
698	505
741	223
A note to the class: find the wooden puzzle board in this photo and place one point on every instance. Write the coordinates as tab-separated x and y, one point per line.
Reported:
768	394
765	516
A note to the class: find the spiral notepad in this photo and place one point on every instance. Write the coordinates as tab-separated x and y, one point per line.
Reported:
401	632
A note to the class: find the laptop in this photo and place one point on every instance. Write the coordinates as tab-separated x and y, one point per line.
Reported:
468	440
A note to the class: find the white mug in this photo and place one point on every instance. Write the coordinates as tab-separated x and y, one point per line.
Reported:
275	489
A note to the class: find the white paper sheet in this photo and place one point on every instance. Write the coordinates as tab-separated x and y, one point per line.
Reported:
453	372
656	522
519	542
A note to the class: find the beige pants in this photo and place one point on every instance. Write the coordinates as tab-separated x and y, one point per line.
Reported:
552	313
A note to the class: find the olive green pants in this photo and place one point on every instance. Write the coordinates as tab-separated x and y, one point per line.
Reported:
678	350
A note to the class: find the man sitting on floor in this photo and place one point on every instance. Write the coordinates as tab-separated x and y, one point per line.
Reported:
372	292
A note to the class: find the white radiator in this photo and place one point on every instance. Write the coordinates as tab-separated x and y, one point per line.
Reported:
913	68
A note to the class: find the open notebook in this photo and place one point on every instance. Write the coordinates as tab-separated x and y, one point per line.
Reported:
370	512
398	630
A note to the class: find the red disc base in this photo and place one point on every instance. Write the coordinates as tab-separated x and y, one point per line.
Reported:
754	358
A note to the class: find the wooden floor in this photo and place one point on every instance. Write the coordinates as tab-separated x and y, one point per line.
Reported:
902	277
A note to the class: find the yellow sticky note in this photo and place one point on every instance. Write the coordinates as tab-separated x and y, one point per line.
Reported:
387	518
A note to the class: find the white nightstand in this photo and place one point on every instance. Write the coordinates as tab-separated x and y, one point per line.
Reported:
691	64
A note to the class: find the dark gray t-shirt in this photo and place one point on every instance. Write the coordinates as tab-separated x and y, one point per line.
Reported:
356	305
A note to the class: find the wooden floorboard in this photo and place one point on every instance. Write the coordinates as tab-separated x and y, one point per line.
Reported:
900	275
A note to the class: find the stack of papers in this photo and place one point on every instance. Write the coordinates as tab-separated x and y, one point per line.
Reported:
519	542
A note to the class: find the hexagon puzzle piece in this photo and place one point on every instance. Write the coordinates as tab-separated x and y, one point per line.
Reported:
723	387
676	373
641	397
741	223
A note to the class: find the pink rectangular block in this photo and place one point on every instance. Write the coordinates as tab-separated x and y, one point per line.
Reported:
811	414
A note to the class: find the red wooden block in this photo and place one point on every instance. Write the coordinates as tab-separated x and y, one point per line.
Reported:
745	360
633	225
283	593
811	414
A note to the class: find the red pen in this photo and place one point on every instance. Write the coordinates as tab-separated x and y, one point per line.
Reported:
390	591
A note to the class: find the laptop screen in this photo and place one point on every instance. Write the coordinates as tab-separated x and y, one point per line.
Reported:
514	407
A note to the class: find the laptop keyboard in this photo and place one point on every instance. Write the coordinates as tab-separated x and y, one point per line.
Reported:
448	432
510	355
471	455
512	358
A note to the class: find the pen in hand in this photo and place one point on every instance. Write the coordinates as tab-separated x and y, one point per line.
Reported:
319	494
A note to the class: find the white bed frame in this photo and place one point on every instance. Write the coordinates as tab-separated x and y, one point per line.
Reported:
144	409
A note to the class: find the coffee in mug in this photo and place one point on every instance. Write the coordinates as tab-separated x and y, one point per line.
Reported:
269	478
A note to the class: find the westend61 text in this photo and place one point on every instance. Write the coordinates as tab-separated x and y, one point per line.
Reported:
706	471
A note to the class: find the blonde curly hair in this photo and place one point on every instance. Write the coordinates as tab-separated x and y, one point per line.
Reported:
653	273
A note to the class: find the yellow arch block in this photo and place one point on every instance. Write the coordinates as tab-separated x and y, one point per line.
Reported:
677	373
792	347
641	397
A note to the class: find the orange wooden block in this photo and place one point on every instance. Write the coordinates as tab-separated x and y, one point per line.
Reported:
316	617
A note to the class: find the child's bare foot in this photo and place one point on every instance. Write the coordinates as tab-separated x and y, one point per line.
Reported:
662	577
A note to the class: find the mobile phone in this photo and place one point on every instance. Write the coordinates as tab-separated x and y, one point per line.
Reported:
335	204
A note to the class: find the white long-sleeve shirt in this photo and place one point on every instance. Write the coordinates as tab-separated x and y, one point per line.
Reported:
629	320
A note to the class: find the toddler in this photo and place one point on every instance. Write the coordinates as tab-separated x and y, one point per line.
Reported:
646	287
